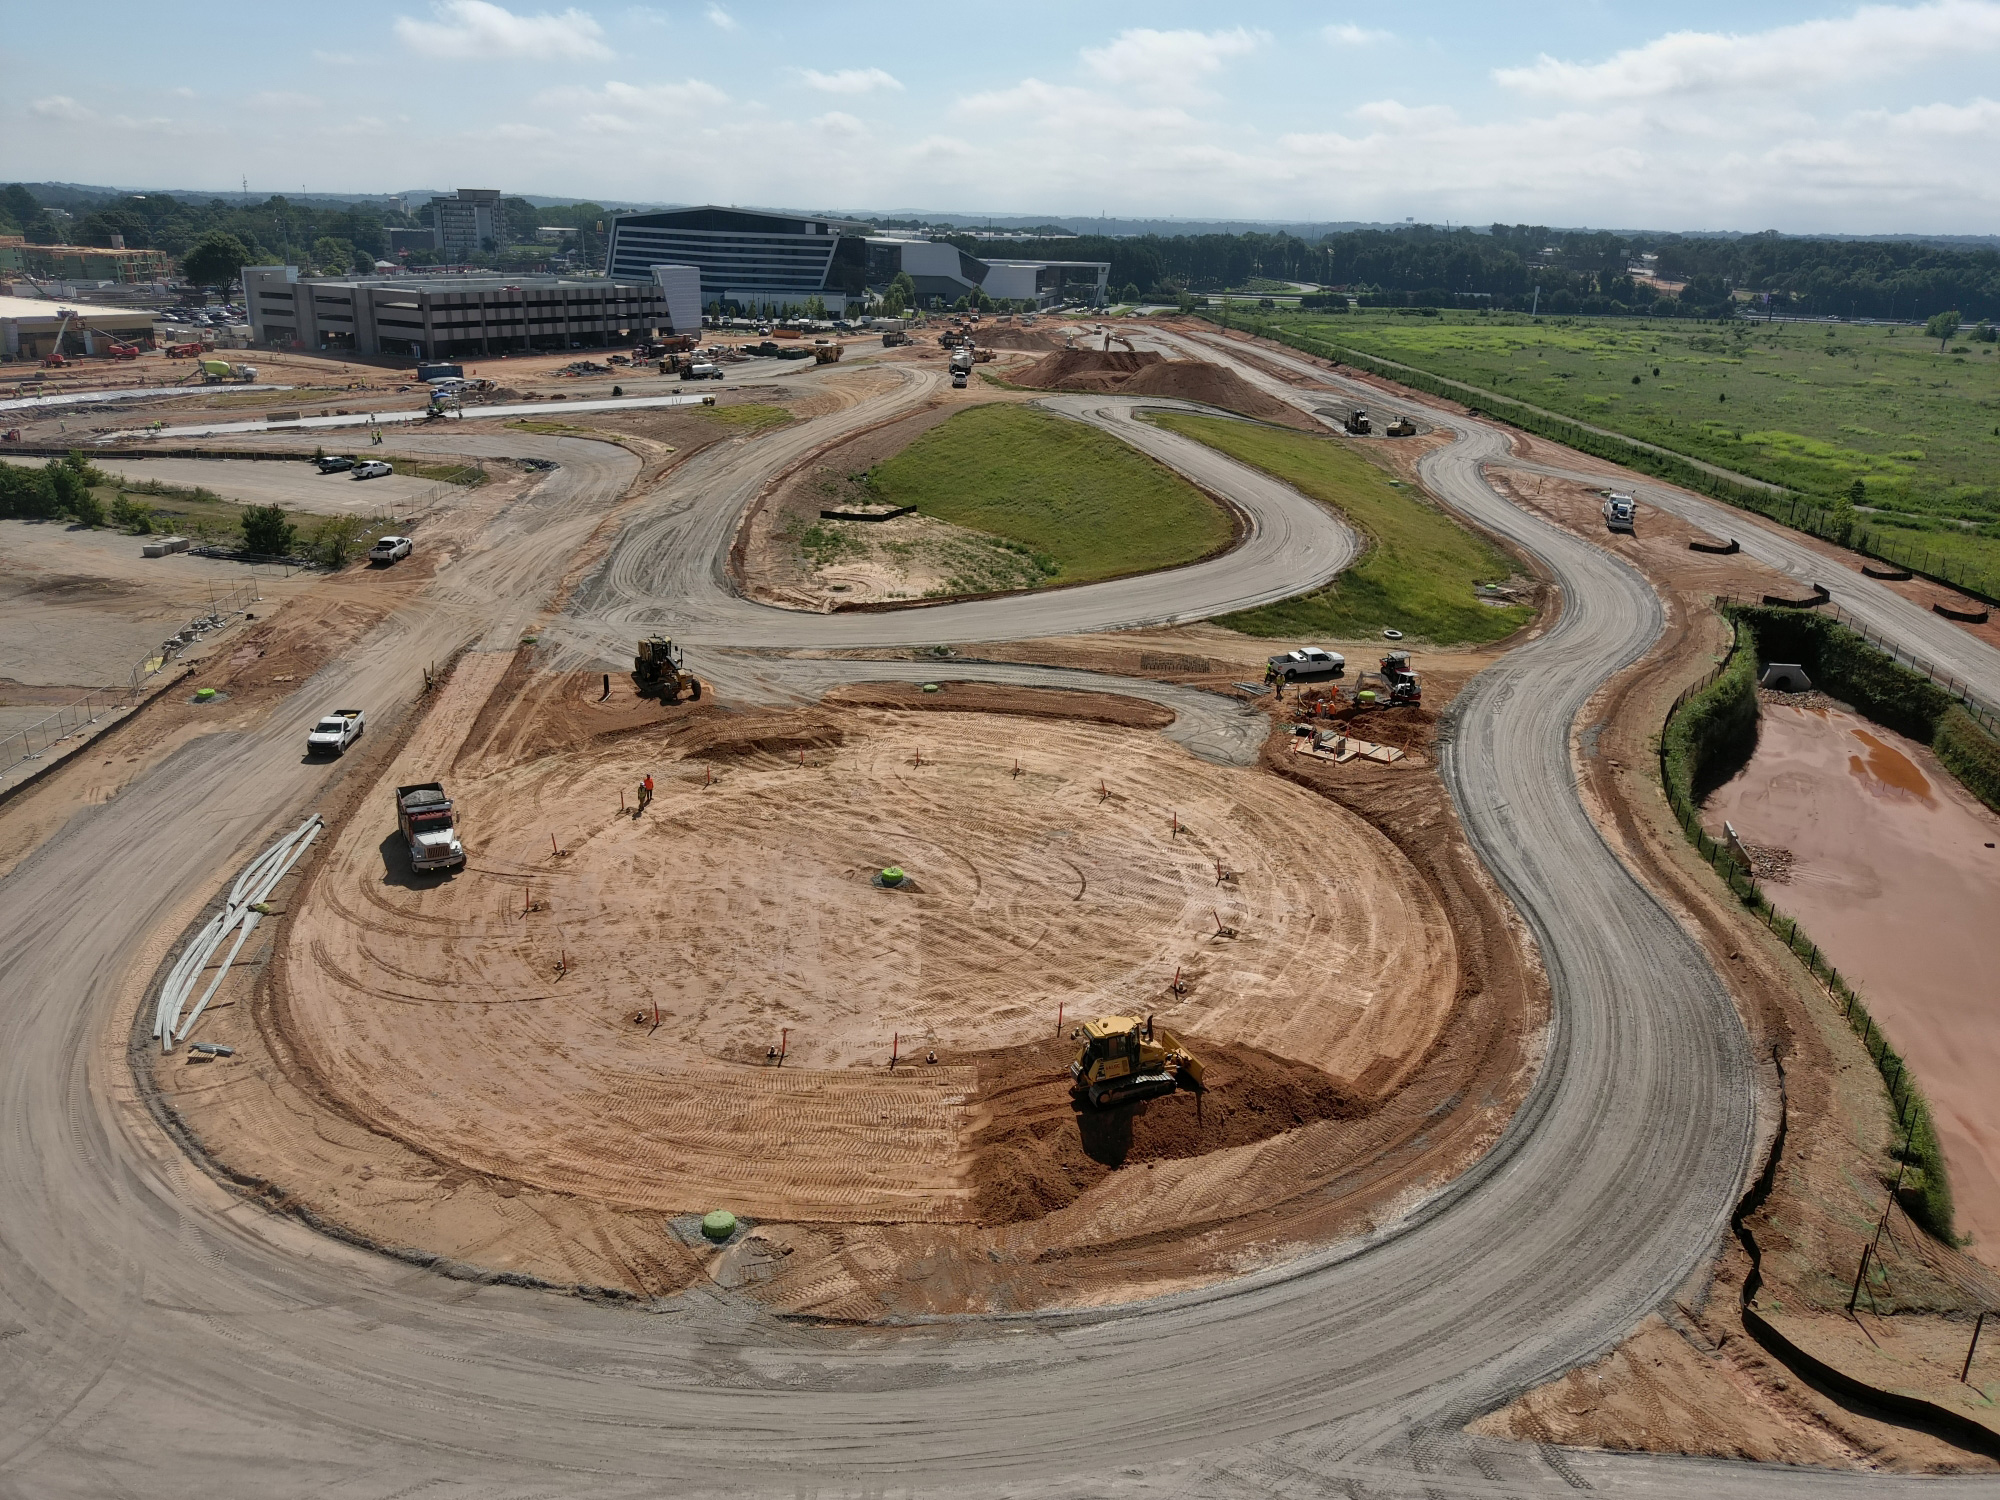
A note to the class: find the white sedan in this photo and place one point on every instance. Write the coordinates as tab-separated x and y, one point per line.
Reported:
373	469
388	549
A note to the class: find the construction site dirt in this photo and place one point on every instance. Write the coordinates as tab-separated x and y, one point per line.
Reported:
1697	1380
1148	374
546	1063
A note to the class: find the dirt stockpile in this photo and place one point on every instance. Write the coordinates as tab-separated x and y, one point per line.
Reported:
1086	369
1148	374
1039	1151
1034	340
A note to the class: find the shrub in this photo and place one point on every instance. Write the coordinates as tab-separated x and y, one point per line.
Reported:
136	516
334	540
267	531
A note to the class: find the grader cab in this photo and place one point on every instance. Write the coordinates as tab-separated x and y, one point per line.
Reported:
661	671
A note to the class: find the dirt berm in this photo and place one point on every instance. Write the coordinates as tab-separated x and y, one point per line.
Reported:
1147	374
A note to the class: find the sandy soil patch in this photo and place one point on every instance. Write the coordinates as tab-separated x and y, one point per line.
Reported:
1034	892
1890	864
83	607
464	1097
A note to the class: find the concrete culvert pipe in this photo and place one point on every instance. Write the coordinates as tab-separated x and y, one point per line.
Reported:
719	1225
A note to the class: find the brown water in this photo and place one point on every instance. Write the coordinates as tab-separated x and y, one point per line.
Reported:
1892	878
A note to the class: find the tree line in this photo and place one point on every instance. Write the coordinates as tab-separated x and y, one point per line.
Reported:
1523	266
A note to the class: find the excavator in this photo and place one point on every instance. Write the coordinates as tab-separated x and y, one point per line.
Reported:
661	672
1124	1059
1399	683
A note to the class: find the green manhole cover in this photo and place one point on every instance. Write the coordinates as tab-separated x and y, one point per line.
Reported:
719	1225
893	875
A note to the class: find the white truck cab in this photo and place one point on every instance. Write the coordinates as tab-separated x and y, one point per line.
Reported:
1308	665
334	733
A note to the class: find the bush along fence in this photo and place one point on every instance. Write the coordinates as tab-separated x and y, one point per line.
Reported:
1826	520
1713	723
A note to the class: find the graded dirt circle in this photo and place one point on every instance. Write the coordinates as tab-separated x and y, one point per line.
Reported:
502	1021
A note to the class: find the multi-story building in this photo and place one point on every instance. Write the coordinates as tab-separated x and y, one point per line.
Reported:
431	317
82	262
750	259
466	223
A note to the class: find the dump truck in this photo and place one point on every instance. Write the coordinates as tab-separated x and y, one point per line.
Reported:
1619	511
1124	1059
894	338
660	671
827	352
1357	422
423	813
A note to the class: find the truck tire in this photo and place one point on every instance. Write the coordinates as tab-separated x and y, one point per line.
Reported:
694	690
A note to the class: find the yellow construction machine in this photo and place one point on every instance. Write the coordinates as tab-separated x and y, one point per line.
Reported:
1124	1059
660	671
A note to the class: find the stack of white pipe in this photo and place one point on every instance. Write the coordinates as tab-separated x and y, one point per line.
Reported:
257	881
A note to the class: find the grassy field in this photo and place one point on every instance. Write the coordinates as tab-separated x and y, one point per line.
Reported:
752	416
1421	567
1814	407
1083	505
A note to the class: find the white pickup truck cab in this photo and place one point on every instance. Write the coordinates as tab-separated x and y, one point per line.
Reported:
334	733
1619	511
1309	665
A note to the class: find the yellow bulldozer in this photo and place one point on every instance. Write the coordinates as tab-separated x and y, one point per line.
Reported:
1124	1059
660	671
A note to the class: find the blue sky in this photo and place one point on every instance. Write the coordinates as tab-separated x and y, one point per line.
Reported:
1792	116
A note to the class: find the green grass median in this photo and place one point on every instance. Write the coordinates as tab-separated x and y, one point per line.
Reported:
1420	570
1084	504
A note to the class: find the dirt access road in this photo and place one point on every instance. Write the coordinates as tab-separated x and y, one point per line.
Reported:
165	1336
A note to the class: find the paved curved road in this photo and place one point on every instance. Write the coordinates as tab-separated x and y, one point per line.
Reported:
159	1338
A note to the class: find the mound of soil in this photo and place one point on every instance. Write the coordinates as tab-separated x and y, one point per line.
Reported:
1129	374
1031	339
1086	369
1040	1150
720	733
997	698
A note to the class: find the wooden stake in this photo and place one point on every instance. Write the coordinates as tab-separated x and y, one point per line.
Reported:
784	1043
1059	1015
1970	1347
553	847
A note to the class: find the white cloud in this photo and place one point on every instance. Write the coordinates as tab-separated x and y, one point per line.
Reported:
479	29
717	16
1858	48
839	123
630	108
1168	61
62	107
1347	34
849	80
1392	115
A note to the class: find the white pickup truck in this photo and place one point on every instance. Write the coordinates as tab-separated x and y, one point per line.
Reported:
388	549
334	733
1308	665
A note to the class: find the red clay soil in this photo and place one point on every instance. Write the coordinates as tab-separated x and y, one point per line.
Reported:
1033	340
1128	374
1040	1150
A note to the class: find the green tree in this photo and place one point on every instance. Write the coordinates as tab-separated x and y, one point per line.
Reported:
334	540
332	256
1941	327
267	531
215	259
1129	292
136	516
901	294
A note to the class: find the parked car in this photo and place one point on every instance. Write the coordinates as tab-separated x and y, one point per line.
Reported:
1309	665
334	733
388	549
333	463
373	469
